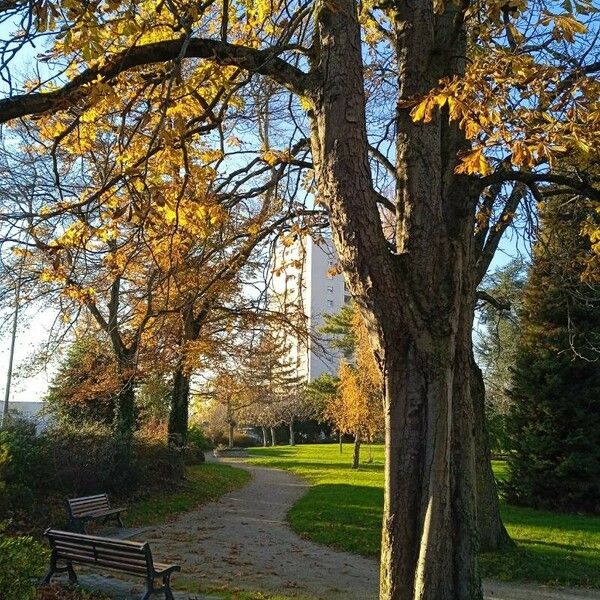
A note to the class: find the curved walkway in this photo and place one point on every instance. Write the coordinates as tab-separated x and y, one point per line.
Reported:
243	542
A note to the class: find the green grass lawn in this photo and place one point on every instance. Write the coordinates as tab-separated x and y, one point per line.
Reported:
204	483
343	508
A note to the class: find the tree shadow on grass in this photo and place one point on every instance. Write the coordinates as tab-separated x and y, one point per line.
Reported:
519	516
347	517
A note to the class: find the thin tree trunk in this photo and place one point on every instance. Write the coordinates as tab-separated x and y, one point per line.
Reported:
264	436
273	437
178	418
341	442
356	452
492	533
231	431
292	435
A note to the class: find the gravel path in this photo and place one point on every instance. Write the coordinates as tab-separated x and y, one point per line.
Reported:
243	542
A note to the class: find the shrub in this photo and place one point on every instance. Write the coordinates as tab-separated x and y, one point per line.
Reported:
22	563
242	440
197	439
38	471
83	460
23	464
154	461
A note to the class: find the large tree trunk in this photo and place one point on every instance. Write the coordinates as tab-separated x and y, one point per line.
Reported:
415	301
492	533
125	410
273	437
292	433
178	418
124	426
356	452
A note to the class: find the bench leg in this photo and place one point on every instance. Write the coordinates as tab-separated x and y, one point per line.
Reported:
72	574
77	526
120	521
48	576
167	587
149	589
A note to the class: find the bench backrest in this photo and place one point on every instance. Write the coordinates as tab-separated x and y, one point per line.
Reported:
118	555
87	504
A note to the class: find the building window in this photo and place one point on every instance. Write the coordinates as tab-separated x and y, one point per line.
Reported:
330	289
330	303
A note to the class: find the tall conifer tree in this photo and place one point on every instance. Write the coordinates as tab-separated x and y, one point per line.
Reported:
555	416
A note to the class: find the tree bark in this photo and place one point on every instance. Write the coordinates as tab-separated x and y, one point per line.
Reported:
356	452
292	433
178	418
264	436
231	430
415	301
492	533
124	426
341	442
273	437
125	410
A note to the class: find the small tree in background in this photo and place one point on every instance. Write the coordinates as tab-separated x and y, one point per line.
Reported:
356	407
554	419
294	406
319	393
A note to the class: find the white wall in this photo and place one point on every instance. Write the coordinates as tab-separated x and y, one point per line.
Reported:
31	411
326	292
302	281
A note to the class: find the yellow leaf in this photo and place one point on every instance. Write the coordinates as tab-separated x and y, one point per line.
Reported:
474	163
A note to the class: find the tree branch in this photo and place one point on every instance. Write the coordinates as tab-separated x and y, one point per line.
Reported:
529	178
495	234
265	62
495	302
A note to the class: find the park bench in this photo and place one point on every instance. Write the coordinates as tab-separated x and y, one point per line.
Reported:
134	558
91	508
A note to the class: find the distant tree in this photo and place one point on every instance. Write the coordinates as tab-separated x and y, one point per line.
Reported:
496	343
338	327
294	406
274	390
86	385
320	391
554	419
356	408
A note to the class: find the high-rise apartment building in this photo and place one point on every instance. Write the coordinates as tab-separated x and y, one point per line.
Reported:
306	284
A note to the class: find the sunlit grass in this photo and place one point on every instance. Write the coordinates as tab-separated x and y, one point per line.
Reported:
204	483
343	508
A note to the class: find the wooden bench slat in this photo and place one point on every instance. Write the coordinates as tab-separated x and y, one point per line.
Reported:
70	548
79	502
95	539
101	562
102	512
90	508
85	508
92	550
